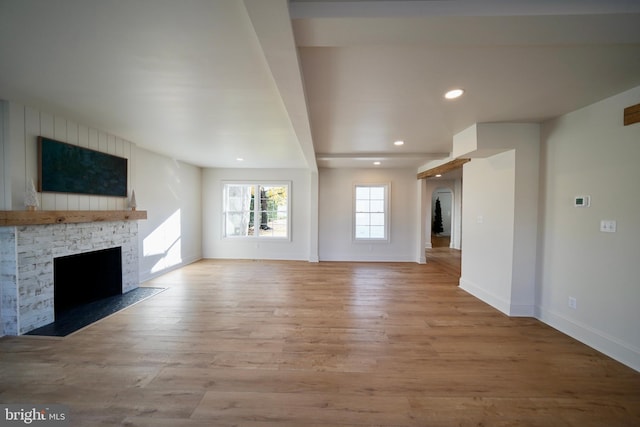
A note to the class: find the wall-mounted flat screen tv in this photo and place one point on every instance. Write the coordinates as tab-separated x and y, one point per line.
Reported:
66	168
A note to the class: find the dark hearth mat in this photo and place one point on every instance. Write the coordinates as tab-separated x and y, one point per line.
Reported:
79	317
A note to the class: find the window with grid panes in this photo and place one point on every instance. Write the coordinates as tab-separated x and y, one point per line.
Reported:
371	212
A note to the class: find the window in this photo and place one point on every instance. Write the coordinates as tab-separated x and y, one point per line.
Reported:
256	210
371	221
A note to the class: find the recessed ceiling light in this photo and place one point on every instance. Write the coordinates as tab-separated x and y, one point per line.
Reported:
398	143
240	159
376	163
454	93
438	176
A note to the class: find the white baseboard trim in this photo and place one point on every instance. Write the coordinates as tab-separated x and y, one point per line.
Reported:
513	310
601	341
478	292
622	352
350	257
146	276
522	310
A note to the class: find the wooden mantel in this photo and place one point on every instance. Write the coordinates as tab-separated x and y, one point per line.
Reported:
13	218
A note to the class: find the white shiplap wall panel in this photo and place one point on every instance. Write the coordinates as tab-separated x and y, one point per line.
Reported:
83	136
130	153
72	138
94	202
83	141
47	128
123	149
103	146
25	124
16	153
60	134
32	130
111	149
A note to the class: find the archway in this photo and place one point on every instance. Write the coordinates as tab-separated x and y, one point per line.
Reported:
442	221
434	188
444	177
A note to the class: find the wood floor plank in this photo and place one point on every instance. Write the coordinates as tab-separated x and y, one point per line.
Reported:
287	343
303	409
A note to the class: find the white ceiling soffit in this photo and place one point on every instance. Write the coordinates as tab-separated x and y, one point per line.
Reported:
376	71
199	81
415	8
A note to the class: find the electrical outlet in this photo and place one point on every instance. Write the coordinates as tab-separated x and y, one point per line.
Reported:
573	303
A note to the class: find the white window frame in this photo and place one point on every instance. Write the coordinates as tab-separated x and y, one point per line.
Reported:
387	216
256	209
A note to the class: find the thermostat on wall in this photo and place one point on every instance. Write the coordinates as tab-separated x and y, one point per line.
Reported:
582	201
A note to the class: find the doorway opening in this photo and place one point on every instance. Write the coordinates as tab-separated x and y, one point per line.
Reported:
441	217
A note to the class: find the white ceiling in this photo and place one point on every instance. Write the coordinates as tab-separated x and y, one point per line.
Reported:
326	83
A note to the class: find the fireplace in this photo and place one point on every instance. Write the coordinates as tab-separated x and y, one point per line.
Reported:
27	257
86	277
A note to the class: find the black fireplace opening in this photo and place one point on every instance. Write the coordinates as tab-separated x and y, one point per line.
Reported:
86	277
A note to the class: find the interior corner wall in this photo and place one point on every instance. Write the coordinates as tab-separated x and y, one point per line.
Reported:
170	191
488	219
336	216
525	239
590	153
301	199
313	216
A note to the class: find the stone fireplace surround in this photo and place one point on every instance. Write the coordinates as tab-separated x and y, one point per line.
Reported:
26	265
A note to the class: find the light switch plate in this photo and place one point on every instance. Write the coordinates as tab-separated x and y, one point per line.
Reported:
608	226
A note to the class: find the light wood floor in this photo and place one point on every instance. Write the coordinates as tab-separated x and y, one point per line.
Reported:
265	344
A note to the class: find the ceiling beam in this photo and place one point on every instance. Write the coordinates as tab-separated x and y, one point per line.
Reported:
442	169
632	115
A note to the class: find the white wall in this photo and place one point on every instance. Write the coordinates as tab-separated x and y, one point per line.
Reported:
170	191
525	239
590	152
506	185
162	185
298	248
487	228
336	215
